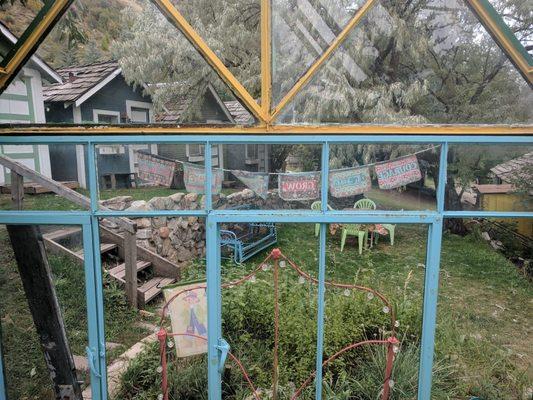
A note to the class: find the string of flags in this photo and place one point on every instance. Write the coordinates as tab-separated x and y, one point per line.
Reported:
344	182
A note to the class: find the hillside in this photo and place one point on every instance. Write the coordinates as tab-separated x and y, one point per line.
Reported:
83	35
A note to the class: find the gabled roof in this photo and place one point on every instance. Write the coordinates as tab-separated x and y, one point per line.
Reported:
520	167
38	63
174	111
81	82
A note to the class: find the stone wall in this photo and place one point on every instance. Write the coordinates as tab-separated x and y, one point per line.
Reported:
181	239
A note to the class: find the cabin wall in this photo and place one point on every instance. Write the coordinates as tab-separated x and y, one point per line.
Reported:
510	202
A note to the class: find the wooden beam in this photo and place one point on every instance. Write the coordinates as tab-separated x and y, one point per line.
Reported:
177	19
17	190
322	59
266	56
130	261
36	277
279	129
63	191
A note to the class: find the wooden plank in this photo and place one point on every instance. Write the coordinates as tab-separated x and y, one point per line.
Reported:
152	288
130	261
63	233
104	248
162	266
17	195
36	277
33	188
63	191
54	247
119	272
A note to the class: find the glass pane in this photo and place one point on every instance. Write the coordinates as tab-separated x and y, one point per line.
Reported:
489	178
166	253
269	176
374	291
392	177
41	267
249	312
233	34
15	17
424	62
301	31
155	176
116	62
484	316
516	15
63	166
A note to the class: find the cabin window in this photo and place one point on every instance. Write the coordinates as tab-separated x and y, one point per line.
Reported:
252	153
106	117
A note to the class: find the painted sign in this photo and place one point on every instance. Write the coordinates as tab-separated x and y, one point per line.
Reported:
398	173
256	181
155	169
188	315
349	182
194	179
299	186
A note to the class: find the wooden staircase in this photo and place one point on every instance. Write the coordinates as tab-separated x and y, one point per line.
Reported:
112	248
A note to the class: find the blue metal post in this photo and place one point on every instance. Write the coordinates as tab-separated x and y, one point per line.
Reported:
214	327
429	316
443	174
208	176
97	272
92	314
321	275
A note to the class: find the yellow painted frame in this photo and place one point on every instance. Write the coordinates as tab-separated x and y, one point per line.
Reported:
264	113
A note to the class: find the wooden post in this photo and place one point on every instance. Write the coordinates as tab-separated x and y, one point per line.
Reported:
34	270
17	190
130	261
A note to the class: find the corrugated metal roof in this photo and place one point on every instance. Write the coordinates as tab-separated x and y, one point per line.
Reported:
493	189
77	80
516	168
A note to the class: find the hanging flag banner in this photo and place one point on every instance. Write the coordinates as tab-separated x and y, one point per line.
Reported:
398	173
155	169
194	179
256	181
349	182
299	186
188	316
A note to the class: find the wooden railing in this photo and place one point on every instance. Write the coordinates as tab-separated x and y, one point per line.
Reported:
20	171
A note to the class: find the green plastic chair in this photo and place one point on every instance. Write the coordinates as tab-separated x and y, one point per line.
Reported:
354	230
365	204
317	206
390	228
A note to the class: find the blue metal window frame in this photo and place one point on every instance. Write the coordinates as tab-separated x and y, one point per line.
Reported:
89	222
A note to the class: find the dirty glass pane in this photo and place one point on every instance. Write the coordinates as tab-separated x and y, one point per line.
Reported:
489	178
517	15
149	268
301	31
269	176
119	62
63	167
484	319
232	30
392	177
249	312
374	291
15	17
424	62
42	266
154	176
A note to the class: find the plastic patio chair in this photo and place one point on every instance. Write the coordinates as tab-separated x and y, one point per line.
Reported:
317	206
354	230
367	204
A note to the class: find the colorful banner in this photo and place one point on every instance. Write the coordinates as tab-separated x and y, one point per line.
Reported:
299	186
398	173
194	179
256	181
188	315
349	182
155	169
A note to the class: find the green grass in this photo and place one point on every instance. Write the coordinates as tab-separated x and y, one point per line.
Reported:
27	377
